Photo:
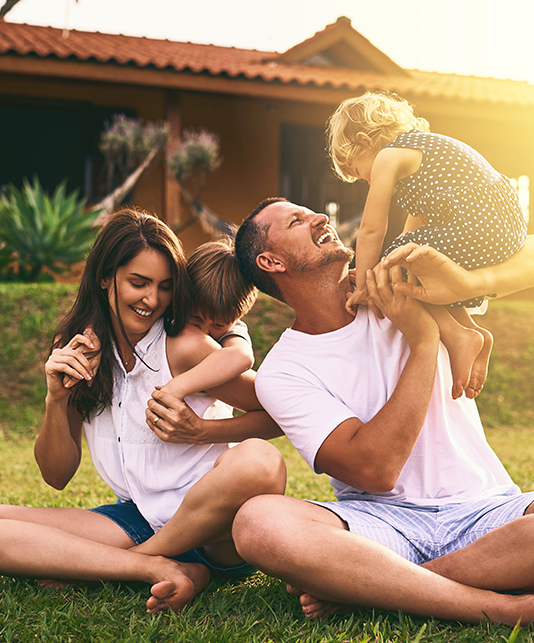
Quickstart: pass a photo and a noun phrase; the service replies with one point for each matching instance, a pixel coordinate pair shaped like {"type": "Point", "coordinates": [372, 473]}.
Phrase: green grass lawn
{"type": "Point", "coordinates": [257, 609]}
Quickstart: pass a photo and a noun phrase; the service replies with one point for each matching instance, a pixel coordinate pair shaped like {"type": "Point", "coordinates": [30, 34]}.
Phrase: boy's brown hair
{"type": "Point", "coordinates": [219, 289]}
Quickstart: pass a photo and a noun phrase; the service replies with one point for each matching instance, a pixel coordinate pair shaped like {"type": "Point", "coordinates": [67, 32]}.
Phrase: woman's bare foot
{"type": "Point", "coordinates": [463, 352]}
{"type": "Point", "coordinates": [55, 583]}
{"type": "Point", "coordinates": [312, 607]}
{"type": "Point", "coordinates": [479, 372]}
{"type": "Point", "coordinates": [177, 584]}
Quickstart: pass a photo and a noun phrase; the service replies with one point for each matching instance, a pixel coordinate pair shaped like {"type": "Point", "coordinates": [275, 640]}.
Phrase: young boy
{"type": "Point", "coordinates": [222, 296]}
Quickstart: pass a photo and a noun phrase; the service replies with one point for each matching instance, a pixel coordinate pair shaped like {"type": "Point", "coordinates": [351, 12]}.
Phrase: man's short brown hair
{"type": "Point", "coordinates": [251, 240]}
{"type": "Point", "coordinates": [220, 291]}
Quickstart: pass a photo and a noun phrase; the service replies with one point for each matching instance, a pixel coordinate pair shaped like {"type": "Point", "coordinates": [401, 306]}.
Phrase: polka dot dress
{"type": "Point", "coordinates": [472, 212]}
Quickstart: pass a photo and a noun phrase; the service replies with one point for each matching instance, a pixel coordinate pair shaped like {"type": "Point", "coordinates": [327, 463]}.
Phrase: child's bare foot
{"type": "Point", "coordinates": [479, 372]}
{"type": "Point", "coordinates": [178, 584]}
{"type": "Point", "coordinates": [312, 607]}
{"type": "Point", "coordinates": [463, 352]}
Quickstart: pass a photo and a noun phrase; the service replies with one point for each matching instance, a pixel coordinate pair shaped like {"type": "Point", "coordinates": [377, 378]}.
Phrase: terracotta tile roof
{"type": "Point", "coordinates": [270, 67]}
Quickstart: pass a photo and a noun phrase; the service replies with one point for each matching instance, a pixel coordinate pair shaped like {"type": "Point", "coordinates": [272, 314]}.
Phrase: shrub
{"type": "Point", "coordinates": [38, 232]}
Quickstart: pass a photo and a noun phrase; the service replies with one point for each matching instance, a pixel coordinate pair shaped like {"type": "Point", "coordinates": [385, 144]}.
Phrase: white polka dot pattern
{"type": "Point", "coordinates": [472, 211]}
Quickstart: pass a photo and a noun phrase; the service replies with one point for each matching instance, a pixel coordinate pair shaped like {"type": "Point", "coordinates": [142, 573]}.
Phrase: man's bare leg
{"type": "Point", "coordinates": [308, 547]}
{"type": "Point", "coordinates": [206, 514]}
{"type": "Point", "coordinates": [506, 565]}
{"type": "Point", "coordinates": [502, 560]}
{"type": "Point", "coordinates": [39, 551]}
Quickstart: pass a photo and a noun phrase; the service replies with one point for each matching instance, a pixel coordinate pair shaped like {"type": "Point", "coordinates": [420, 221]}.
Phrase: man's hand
{"type": "Point", "coordinates": [441, 281]}
{"type": "Point", "coordinates": [407, 314]}
{"type": "Point", "coordinates": [172, 420]}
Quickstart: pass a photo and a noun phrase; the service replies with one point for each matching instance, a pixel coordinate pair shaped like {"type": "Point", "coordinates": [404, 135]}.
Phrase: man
{"type": "Point", "coordinates": [427, 520]}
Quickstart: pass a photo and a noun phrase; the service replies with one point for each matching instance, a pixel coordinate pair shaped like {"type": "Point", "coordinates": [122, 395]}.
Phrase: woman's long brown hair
{"type": "Point", "coordinates": [128, 233]}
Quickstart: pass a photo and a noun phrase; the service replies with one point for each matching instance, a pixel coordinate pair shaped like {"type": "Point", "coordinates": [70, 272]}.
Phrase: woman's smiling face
{"type": "Point", "coordinates": [144, 290]}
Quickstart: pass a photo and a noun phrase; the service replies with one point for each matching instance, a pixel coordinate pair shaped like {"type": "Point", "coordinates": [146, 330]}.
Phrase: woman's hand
{"type": "Point", "coordinates": [93, 355]}
{"type": "Point", "coordinates": [172, 420]}
{"type": "Point", "coordinates": [77, 361]}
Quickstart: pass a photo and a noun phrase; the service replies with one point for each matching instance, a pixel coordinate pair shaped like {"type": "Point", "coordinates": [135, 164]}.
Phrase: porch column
{"type": "Point", "coordinates": [172, 205]}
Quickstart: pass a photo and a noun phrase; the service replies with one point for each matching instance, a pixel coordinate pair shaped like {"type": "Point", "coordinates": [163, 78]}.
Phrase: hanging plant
{"type": "Point", "coordinates": [126, 142]}
{"type": "Point", "coordinates": [197, 151]}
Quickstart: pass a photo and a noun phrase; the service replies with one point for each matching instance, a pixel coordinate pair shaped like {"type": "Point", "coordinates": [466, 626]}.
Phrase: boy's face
{"type": "Point", "coordinates": [211, 327]}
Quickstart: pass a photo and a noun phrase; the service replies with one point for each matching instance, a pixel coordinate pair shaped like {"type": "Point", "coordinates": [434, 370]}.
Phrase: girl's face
{"type": "Point", "coordinates": [144, 290]}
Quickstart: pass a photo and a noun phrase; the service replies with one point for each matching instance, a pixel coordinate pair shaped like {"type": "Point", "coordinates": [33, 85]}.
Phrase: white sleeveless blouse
{"type": "Point", "coordinates": [130, 458]}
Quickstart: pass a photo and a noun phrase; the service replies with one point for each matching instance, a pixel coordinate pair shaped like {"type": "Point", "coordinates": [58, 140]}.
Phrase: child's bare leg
{"type": "Point", "coordinates": [479, 372]}
{"type": "Point", "coordinates": [205, 517]}
{"type": "Point", "coordinates": [38, 550]}
{"type": "Point", "coordinates": [463, 344]}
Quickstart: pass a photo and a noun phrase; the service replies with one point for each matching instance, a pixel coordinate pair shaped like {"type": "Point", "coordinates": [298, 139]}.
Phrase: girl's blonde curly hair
{"type": "Point", "coordinates": [380, 115]}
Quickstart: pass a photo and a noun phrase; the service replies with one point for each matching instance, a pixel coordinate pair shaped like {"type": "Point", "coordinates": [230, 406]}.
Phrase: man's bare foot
{"type": "Point", "coordinates": [312, 607]}
{"type": "Point", "coordinates": [463, 351]}
{"type": "Point", "coordinates": [178, 584]}
{"type": "Point", "coordinates": [479, 372]}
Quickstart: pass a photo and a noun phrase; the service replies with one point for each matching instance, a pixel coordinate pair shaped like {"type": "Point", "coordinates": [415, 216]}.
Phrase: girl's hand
{"type": "Point", "coordinates": [355, 299]}
{"type": "Point", "coordinates": [68, 362]}
{"type": "Point", "coordinates": [361, 298]}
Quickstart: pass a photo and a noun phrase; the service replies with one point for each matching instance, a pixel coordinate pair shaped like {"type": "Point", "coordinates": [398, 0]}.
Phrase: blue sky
{"type": "Point", "coordinates": [480, 37]}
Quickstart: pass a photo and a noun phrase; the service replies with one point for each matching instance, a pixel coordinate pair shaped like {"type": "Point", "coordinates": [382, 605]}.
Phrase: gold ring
{"type": "Point", "coordinates": [156, 420]}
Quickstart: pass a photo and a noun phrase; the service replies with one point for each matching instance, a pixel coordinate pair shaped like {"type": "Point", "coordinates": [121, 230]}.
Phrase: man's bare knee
{"type": "Point", "coordinates": [254, 526]}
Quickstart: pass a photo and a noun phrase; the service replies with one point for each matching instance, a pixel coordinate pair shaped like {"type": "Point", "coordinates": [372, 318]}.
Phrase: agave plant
{"type": "Point", "coordinates": [38, 231]}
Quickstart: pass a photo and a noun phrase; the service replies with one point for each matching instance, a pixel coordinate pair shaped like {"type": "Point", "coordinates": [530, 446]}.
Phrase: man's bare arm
{"type": "Point", "coordinates": [370, 456]}
{"type": "Point", "coordinates": [444, 282]}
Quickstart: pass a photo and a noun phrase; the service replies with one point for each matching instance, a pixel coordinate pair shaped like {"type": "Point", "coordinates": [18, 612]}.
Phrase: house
{"type": "Point", "coordinates": [57, 89]}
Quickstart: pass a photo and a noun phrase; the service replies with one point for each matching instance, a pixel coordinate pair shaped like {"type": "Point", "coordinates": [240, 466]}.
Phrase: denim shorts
{"type": "Point", "coordinates": [420, 534]}
{"type": "Point", "coordinates": [129, 518]}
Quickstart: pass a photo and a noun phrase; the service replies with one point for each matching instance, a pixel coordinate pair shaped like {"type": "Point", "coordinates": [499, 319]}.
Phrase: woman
{"type": "Point", "coordinates": [134, 298]}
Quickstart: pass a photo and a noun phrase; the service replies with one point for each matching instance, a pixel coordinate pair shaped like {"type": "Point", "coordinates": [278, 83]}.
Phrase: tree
{"type": "Point", "coordinates": [8, 5]}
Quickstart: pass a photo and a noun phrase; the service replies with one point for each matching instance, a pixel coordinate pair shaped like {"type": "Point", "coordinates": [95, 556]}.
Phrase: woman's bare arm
{"type": "Point", "coordinates": [58, 447]}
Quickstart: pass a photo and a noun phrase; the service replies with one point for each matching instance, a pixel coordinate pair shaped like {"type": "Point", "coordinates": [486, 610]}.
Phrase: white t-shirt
{"type": "Point", "coordinates": [131, 459]}
{"type": "Point", "coordinates": [310, 384]}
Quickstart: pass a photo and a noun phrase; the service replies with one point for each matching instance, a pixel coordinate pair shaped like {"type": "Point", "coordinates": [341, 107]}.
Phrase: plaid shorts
{"type": "Point", "coordinates": [420, 534]}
